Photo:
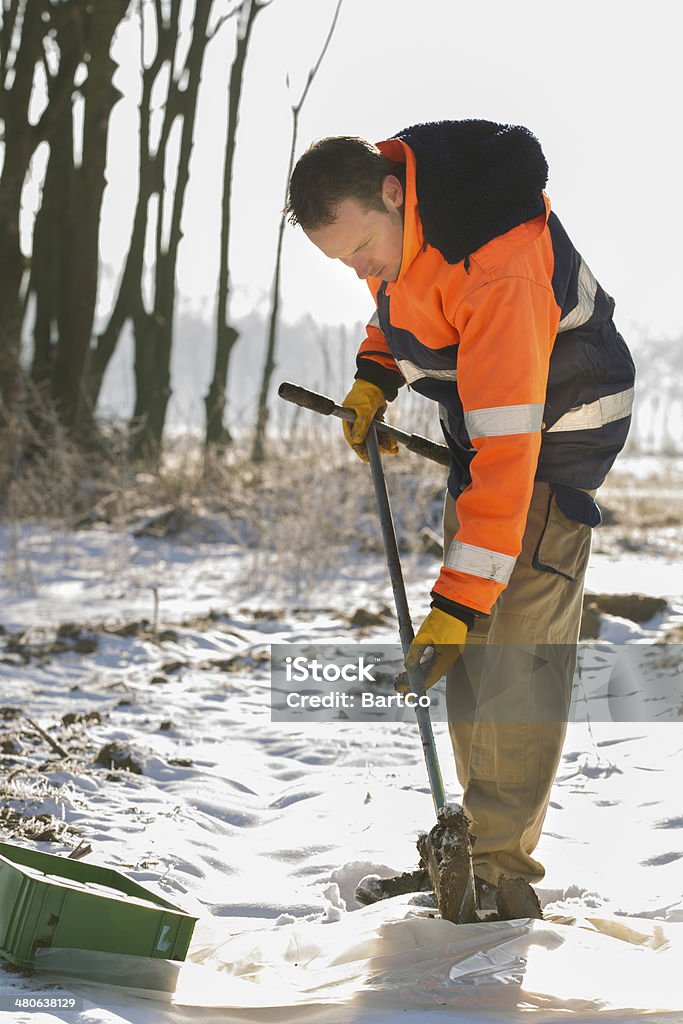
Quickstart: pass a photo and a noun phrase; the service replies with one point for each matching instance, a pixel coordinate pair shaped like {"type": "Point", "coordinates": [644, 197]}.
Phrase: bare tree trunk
{"type": "Point", "coordinates": [20, 141]}
{"type": "Point", "coordinates": [259, 447]}
{"type": "Point", "coordinates": [26, 24]}
{"type": "Point", "coordinates": [48, 264]}
{"type": "Point", "coordinates": [78, 311]}
{"type": "Point", "coordinates": [154, 334]}
{"type": "Point", "coordinates": [258, 452]}
{"type": "Point", "coordinates": [129, 301]}
{"type": "Point", "coordinates": [217, 433]}
{"type": "Point", "coordinates": [153, 327]}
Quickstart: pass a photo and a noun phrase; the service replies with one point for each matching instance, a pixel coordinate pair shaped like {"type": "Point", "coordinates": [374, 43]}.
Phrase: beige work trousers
{"type": "Point", "coordinates": [508, 697]}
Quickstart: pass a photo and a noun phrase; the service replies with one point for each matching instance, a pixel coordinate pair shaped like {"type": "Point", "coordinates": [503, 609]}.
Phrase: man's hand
{"type": "Point", "coordinates": [447, 635]}
{"type": "Point", "coordinates": [367, 401]}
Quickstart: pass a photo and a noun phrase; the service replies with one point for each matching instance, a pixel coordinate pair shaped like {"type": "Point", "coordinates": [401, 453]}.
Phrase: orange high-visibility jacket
{"type": "Point", "coordinates": [496, 317]}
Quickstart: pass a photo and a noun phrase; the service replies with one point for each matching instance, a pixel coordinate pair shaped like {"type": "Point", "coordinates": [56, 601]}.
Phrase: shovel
{"type": "Point", "coordinates": [446, 851]}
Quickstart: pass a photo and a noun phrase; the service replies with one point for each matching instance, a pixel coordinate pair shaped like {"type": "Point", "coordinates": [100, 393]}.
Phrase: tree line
{"type": "Point", "coordinates": [57, 89]}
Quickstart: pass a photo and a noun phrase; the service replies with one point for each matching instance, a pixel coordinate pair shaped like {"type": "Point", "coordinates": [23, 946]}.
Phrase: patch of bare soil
{"type": "Point", "coordinates": [636, 607]}
{"type": "Point", "coordinates": [118, 755]}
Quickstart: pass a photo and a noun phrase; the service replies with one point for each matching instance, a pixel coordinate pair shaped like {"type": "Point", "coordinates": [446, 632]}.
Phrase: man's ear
{"type": "Point", "coordinates": [392, 192]}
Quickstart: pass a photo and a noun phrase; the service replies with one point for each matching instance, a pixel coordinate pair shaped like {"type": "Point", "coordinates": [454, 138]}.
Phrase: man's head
{"type": "Point", "coordinates": [349, 201]}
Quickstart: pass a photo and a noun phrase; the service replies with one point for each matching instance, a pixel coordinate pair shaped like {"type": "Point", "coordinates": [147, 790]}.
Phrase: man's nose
{"type": "Point", "coordinates": [360, 266]}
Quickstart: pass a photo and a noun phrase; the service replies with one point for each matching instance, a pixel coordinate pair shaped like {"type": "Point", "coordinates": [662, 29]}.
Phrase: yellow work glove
{"type": "Point", "coordinates": [368, 402]}
{"type": "Point", "coordinates": [447, 635]}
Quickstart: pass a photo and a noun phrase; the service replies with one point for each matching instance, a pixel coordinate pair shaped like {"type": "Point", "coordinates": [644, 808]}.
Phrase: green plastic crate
{"type": "Point", "coordinates": [52, 901]}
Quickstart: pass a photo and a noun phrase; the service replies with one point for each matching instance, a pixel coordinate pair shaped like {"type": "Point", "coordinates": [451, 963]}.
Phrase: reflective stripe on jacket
{"type": "Point", "coordinates": [517, 345]}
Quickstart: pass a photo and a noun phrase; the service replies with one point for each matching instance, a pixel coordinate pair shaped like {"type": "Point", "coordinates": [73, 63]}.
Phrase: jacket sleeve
{"type": "Point", "coordinates": [506, 329]}
{"type": "Point", "coordinates": [375, 362]}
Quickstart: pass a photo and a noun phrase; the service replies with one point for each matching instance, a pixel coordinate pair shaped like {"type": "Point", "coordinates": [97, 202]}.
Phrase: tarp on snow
{"type": "Point", "coordinates": [393, 955]}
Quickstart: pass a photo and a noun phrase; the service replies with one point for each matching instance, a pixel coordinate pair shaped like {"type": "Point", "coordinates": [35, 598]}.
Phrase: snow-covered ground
{"type": "Point", "coordinates": [263, 829]}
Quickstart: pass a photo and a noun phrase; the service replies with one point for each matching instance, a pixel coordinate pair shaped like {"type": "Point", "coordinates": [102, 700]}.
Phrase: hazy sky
{"type": "Point", "coordinates": [598, 81]}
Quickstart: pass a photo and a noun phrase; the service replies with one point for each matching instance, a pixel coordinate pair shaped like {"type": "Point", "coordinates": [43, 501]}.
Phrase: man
{"type": "Point", "coordinates": [484, 306]}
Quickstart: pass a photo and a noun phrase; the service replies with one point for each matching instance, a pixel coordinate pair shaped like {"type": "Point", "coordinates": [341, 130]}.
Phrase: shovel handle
{"type": "Point", "coordinates": [405, 626]}
{"type": "Point", "coordinates": [438, 453]}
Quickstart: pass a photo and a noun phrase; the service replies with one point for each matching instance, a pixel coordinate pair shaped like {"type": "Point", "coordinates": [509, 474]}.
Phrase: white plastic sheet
{"type": "Point", "coordinates": [393, 955]}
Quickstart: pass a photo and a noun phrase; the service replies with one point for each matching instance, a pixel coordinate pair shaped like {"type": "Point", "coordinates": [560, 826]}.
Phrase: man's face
{"type": "Point", "coordinates": [368, 241]}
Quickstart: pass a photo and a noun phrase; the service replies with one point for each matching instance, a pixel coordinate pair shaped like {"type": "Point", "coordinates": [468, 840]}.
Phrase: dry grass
{"type": "Point", "coordinates": [298, 515]}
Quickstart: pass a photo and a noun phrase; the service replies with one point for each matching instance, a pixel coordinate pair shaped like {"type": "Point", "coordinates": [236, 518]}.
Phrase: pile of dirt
{"type": "Point", "coordinates": [364, 617]}
{"type": "Point", "coordinates": [636, 607]}
{"type": "Point", "coordinates": [119, 756]}
{"type": "Point", "coordinates": [40, 643]}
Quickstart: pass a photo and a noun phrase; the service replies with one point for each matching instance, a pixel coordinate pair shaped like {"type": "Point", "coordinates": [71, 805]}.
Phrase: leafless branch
{"type": "Point", "coordinates": [46, 736]}
{"type": "Point", "coordinates": [314, 70]}
{"type": "Point", "coordinates": [222, 20]}
{"type": "Point", "coordinates": [82, 850]}
{"type": "Point", "coordinates": [259, 448]}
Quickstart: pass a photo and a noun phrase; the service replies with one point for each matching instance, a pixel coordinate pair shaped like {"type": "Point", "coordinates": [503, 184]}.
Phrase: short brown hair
{"type": "Point", "coordinates": [331, 170]}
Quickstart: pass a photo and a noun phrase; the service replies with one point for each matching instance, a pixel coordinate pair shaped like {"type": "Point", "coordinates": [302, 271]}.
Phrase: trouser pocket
{"type": "Point", "coordinates": [564, 544]}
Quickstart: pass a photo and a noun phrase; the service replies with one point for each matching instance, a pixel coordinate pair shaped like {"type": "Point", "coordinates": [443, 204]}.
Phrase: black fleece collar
{"type": "Point", "coordinates": [475, 180]}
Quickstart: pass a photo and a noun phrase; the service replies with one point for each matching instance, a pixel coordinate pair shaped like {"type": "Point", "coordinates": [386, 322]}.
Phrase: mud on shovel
{"type": "Point", "coordinates": [445, 852]}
